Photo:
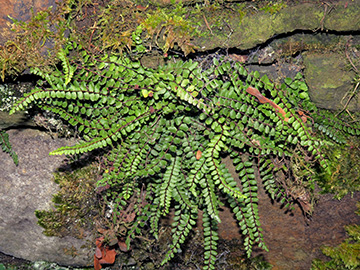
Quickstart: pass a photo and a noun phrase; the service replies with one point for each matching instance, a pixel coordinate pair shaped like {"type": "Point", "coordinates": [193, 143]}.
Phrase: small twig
{"type": "Point", "coordinates": [348, 57]}
{"type": "Point", "coordinates": [326, 12]}
{"type": "Point", "coordinates": [231, 32]}
{"type": "Point", "coordinates": [348, 101]}
{"type": "Point", "coordinates": [207, 24]}
{"type": "Point", "coordinates": [352, 94]}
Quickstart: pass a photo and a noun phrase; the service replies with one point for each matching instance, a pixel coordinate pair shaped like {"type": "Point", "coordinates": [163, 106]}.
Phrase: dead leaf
{"type": "Point", "coordinates": [103, 255]}
{"type": "Point", "coordinates": [98, 253]}
{"type": "Point", "coordinates": [198, 154]}
{"type": "Point", "coordinates": [97, 265]}
{"type": "Point", "coordinates": [130, 217]}
{"type": "Point", "coordinates": [108, 256]}
{"type": "Point", "coordinates": [239, 58]}
{"type": "Point", "coordinates": [123, 246]}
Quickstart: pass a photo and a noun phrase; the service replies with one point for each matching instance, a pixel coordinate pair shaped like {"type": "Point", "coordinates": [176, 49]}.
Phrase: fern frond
{"type": "Point", "coordinates": [68, 69]}
{"type": "Point", "coordinates": [184, 221]}
{"type": "Point", "coordinates": [210, 241]}
{"type": "Point", "coordinates": [171, 176]}
{"type": "Point", "coordinates": [6, 146]}
{"type": "Point", "coordinates": [210, 199]}
{"type": "Point", "coordinates": [167, 130]}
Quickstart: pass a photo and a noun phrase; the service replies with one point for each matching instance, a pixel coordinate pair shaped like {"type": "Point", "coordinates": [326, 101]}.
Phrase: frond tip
{"type": "Point", "coordinates": [68, 69]}
{"type": "Point", "coordinates": [6, 146]}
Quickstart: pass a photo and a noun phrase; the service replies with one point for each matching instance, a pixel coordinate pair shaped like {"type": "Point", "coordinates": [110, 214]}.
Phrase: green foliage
{"type": "Point", "coordinates": [114, 23]}
{"type": "Point", "coordinates": [6, 146]}
{"type": "Point", "coordinates": [337, 127]}
{"type": "Point", "coordinates": [167, 131]}
{"type": "Point", "coordinates": [273, 7]}
{"type": "Point", "coordinates": [4, 267]}
{"type": "Point", "coordinates": [344, 256]}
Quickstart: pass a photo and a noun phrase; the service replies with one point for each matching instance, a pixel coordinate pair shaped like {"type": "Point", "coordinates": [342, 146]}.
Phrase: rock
{"type": "Point", "coordinates": [293, 243]}
{"type": "Point", "coordinates": [26, 188]}
{"type": "Point", "coordinates": [329, 80]}
{"type": "Point", "coordinates": [234, 31]}
{"type": "Point", "coordinates": [292, 240]}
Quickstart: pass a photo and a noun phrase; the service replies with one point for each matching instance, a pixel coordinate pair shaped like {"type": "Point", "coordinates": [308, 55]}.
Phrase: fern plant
{"type": "Point", "coordinates": [6, 146]}
{"type": "Point", "coordinates": [168, 129]}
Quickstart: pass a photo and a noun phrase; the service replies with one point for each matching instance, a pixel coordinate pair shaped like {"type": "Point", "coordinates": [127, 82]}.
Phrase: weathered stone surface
{"type": "Point", "coordinates": [293, 243]}
{"type": "Point", "coordinates": [25, 188]}
{"type": "Point", "coordinates": [20, 10]}
{"type": "Point", "coordinates": [229, 29]}
{"type": "Point", "coordinates": [329, 80]}
{"type": "Point", "coordinates": [292, 240]}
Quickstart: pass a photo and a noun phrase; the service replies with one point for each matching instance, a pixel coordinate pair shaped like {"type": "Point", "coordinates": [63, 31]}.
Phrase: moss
{"type": "Point", "coordinates": [345, 176]}
{"type": "Point", "coordinates": [345, 17]}
{"type": "Point", "coordinates": [273, 7]}
{"type": "Point", "coordinates": [167, 27]}
{"type": "Point", "coordinates": [344, 256]}
{"type": "Point", "coordinates": [328, 79]}
{"type": "Point", "coordinates": [33, 42]}
{"type": "Point", "coordinates": [74, 204]}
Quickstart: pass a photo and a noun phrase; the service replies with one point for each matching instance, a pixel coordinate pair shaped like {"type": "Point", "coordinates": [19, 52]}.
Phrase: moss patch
{"type": "Point", "coordinates": [75, 204]}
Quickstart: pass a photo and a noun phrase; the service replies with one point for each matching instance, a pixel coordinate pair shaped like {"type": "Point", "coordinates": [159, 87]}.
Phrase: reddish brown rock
{"type": "Point", "coordinates": [294, 241]}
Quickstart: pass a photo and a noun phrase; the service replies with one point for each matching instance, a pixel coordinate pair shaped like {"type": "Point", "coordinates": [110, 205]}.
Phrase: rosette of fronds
{"type": "Point", "coordinates": [168, 129]}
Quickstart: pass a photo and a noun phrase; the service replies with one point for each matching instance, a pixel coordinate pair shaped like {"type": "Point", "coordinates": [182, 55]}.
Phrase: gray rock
{"type": "Point", "coordinates": [26, 188]}
{"type": "Point", "coordinates": [329, 79]}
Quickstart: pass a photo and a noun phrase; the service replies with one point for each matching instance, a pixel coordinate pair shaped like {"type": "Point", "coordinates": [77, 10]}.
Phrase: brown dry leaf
{"type": "Point", "coordinates": [98, 253]}
{"type": "Point", "coordinates": [239, 58]}
{"type": "Point", "coordinates": [198, 154]}
{"type": "Point", "coordinates": [97, 265]}
{"type": "Point", "coordinates": [123, 246]}
{"type": "Point", "coordinates": [130, 217]}
{"type": "Point", "coordinates": [108, 256]}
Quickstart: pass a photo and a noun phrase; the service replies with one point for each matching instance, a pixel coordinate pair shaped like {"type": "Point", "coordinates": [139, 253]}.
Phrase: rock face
{"type": "Point", "coordinates": [25, 188]}
{"type": "Point", "coordinates": [250, 31]}
{"type": "Point", "coordinates": [294, 242]}
{"type": "Point", "coordinates": [330, 80]}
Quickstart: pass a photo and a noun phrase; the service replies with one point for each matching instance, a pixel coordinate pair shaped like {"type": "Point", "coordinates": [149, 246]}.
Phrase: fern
{"type": "Point", "coordinates": [68, 70]}
{"type": "Point", "coordinates": [210, 241]}
{"type": "Point", "coordinates": [6, 146]}
{"type": "Point", "coordinates": [167, 130]}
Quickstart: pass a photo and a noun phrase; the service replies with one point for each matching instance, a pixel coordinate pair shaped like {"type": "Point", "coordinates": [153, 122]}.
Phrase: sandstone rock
{"type": "Point", "coordinates": [25, 188]}
{"type": "Point", "coordinates": [292, 240]}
